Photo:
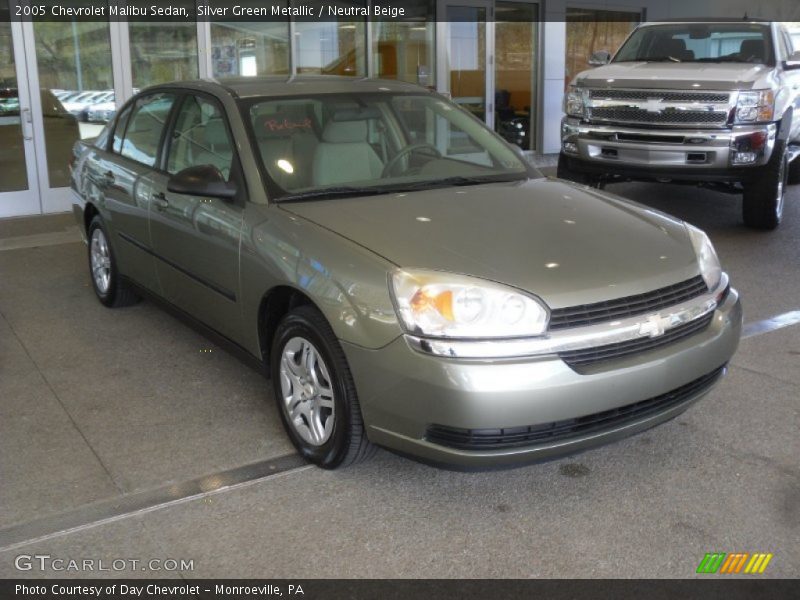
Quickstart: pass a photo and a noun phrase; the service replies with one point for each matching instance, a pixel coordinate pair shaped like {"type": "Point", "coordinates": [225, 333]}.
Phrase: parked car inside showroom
{"type": "Point", "coordinates": [714, 104]}
{"type": "Point", "coordinates": [401, 273]}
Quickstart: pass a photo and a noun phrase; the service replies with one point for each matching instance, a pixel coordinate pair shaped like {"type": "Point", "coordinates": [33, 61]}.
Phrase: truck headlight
{"type": "Point", "coordinates": [755, 107]}
{"type": "Point", "coordinates": [707, 259]}
{"type": "Point", "coordinates": [575, 102]}
{"type": "Point", "coordinates": [446, 305]}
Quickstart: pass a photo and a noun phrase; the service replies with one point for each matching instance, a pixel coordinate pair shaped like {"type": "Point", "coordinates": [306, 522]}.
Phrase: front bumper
{"type": "Point", "coordinates": [403, 393]}
{"type": "Point", "coordinates": [676, 154]}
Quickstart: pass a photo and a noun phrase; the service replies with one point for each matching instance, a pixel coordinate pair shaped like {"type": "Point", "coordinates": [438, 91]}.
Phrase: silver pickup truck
{"type": "Point", "coordinates": [709, 103]}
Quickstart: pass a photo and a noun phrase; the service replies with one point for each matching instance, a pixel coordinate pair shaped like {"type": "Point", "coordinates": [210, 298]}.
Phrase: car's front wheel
{"type": "Point", "coordinates": [315, 392]}
{"type": "Point", "coordinates": [108, 286]}
{"type": "Point", "coordinates": [764, 197]}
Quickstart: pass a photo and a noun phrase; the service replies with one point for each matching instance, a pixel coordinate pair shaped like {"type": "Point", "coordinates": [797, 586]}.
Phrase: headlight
{"type": "Point", "coordinates": [574, 102]}
{"type": "Point", "coordinates": [755, 107]}
{"type": "Point", "coordinates": [707, 259]}
{"type": "Point", "coordinates": [438, 304]}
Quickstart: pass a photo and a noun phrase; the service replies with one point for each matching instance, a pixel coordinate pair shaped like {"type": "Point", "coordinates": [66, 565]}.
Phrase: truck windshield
{"type": "Point", "coordinates": [699, 42]}
{"type": "Point", "coordinates": [330, 145]}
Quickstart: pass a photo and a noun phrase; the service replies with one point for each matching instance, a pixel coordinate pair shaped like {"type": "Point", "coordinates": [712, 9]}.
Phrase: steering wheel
{"type": "Point", "coordinates": [387, 169]}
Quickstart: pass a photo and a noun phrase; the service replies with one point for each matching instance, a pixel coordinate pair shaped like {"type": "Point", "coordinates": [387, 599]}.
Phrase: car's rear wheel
{"type": "Point", "coordinates": [108, 286]}
{"type": "Point", "coordinates": [315, 392]}
{"type": "Point", "coordinates": [764, 197]}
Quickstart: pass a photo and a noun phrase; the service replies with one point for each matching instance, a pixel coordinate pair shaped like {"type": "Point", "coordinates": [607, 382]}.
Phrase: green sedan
{"type": "Point", "coordinates": [403, 275]}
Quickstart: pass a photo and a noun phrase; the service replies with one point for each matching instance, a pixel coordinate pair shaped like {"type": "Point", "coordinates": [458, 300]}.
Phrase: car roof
{"type": "Point", "coordinates": [252, 87]}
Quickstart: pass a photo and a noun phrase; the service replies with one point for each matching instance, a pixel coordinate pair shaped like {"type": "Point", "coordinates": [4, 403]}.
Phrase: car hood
{"type": "Point", "coordinates": [670, 76]}
{"type": "Point", "coordinates": [565, 243]}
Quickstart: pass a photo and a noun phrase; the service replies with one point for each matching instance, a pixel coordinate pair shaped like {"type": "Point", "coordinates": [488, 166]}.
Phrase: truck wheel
{"type": "Point", "coordinates": [108, 286]}
{"type": "Point", "coordinates": [315, 392]}
{"type": "Point", "coordinates": [564, 171]}
{"type": "Point", "coordinates": [763, 200]}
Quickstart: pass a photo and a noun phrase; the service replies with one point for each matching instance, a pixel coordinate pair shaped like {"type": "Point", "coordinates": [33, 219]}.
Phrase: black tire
{"type": "Point", "coordinates": [347, 443]}
{"type": "Point", "coordinates": [764, 197]}
{"type": "Point", "coordinates": [117, 293]}
{"type": "Point", "coordinates": [794, 172]}
{"type": "Point", "coordinates": [566, 172]}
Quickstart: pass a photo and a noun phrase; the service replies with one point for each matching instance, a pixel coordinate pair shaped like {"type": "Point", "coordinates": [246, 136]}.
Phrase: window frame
{"type": "Point", "coordinates": [172, 122]}
{"type": "Point", "coordinates": [133, 105]}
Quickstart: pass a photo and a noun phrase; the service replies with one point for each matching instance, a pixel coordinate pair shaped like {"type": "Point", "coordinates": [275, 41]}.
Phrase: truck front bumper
{"type": "Point", "coordinates": [728, 155]}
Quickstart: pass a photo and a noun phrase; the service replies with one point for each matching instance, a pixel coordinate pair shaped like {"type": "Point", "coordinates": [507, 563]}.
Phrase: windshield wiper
{"type": "Point", "coordinates": [332, 192]}
{"type": "Point", "coordinates": [459, 181]}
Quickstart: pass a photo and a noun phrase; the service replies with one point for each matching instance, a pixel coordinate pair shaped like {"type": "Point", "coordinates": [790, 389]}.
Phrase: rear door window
{"type": "Point", "coordinates": [145, 127]}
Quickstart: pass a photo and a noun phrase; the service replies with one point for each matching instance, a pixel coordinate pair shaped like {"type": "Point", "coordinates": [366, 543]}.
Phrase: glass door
{"type": "Point", "coordinates": [19, 193]}
{"type": "Point", "coordinates": [464, 61]}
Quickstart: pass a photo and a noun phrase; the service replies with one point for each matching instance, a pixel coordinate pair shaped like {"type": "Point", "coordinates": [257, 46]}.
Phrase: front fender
{"type": "Point", "coordinates": [347, 283]}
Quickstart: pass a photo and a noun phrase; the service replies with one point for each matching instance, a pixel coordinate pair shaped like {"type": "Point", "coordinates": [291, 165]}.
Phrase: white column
{"type": "Point", "coordinates": [553, 65]}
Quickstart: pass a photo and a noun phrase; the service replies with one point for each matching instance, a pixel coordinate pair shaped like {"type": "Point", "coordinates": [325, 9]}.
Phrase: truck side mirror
{"type": "Point", "coordinates": [600, 58]}
{"type": "Point", "coordinates": [793, 62]}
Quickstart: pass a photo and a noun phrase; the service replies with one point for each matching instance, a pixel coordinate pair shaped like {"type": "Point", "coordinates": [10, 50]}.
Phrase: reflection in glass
{"type": "Point", "coordinates": [404, 51]}
{"type": "Point", "coordinates": [331, 47]}
{"type": "Point", "coordinates": [73, 58]}
{"type": "Point", "coordinates": [12, 150]}
{"type": "Point", "coordinates": [162, 52]}
{"type": "Point", "coordinates": [515, 71]}
{"type": "Point", "coordinates": [249, 49]}
{"type": "Point", "coordinates": [466, 51]}
{"type": "Point", "coordinates": [591, 30]}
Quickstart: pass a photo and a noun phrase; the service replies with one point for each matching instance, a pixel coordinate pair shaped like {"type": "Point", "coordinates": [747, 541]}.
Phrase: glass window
{"type": "Point", "coordinates": [74, 60]}
{"type": "Point", "coordinates": [249, 48]}
{"type": "Point", "coordinates": [200, 138]}
{"type": "Point", "coordinates": [162, 51]}
{"type": "Point", "coordinates": [12, 146]}
{"type": "Point", "coordinates": [404, 51]}
{"type": "Point", "coordinates": [515, 71]}
{"type": "Point", "coordinates": [590, 31]}
{"type": "Point", "coordinates": [373, 141]}
{"type": "Point", "coordinates": [331, 47]}
{"type": "Point", "coordinates": [146, 124]}
{"type": "Point", "coordinates": [119, 130]}
{"type": "Point", "coordinates": [700, 42]}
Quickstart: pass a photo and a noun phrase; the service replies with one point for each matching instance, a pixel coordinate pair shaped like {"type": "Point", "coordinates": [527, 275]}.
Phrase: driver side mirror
{"type": "Point", "coordinates": [202, 180]}
{"type": "Point", "coordinates": [600, 58]}
{"type": "Point", "coordinates": [793, 62]}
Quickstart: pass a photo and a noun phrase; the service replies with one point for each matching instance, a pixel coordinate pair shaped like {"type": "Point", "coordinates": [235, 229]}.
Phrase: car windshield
{"type": "Point", "coordinates": [332, 145]}
{"type": "Point", "coordinates": [699, 42]}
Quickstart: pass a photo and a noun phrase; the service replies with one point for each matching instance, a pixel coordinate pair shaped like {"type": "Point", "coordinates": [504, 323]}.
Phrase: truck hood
{"type": "Point", "coordinates": [565, 243]}
{"type": "Point", "coordinates": [671, 76]}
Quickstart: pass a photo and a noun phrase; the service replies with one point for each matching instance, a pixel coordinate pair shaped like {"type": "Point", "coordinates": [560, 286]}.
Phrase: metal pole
{"type": "Point", "coordinates": [76, 45]}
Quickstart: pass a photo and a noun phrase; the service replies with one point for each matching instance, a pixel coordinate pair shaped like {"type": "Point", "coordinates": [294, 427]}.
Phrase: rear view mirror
{"type": "Point", "coordinates": [202, 180]}
{"type": "Point", "coordinates": [600, 58]}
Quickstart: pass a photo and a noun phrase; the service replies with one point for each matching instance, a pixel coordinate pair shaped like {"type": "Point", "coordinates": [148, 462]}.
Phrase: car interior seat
{"type": "Point", "coordinates": [752, 50]}
{"type": "Point", "coordinates": [345, 155]}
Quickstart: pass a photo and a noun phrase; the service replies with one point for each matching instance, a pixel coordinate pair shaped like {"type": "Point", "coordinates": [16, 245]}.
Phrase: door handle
{"type": "Point", "coordinates": [160, 200]}
{"type": "Point", "coordinates": [27, 123]}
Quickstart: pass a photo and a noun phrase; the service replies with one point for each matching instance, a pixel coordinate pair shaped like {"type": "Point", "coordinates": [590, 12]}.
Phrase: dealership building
{"type": "Point", "coordinates": [507, 62]}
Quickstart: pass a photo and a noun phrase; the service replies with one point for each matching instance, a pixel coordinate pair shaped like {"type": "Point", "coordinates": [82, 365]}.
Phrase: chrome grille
{"type": "Point", "coordinates": [592, 356]}
{"type": "Point", "coordinates": [629, 114]}
{"type": "Point", "coordinates": [703, 97]}
{"type": "Point", "coordinates": [629, 306]}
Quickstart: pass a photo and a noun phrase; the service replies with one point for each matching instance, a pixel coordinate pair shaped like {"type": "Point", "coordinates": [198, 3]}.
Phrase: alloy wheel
{"type": "Point", "coordinates": [307, 391]}
{"type": "Point", "coordinates": [100, 261]}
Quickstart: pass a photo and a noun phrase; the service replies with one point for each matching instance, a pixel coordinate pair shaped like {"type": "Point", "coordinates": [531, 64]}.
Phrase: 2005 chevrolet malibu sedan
{"type": "Point", "coordinates": [405, 277]}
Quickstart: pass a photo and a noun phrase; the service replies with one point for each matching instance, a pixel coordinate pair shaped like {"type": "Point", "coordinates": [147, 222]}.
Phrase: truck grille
{"type": "Point", "coordinates": [592, 356]}
{"type": "Point", "coordinates": [702, 97]}
{"type": "Point", "coordinates": [660, 108]}
{"type": "Point", "coordinates": [510, 437]}
{"type": "Point", "coordinates": [620, 308]}
{"type": "Point", "coordinates": [629, 114]}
